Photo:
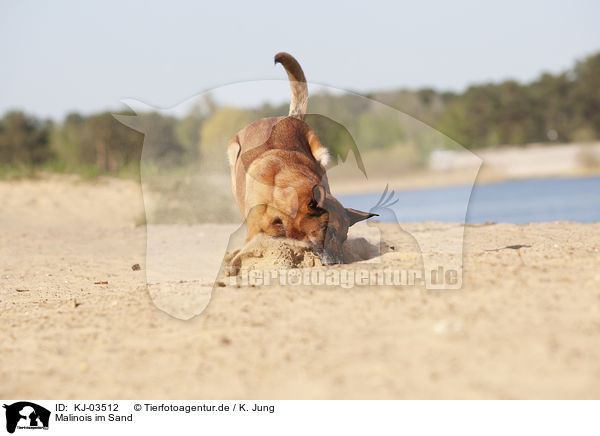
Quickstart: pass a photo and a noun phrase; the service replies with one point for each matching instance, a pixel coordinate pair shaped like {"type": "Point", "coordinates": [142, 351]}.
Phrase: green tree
{"type": "Point", "coordinates": [24, 139]}
{"type": "Point", "coordinates": [113, 145]}
{"type": "Point", "coordinates": [68, 143]}
{"type": "Point", "coordinates": [586, 93]}
{"type": "Point", "coordinates": [219, 128]}
{"type": "Point", "coordinates": [160, 139]}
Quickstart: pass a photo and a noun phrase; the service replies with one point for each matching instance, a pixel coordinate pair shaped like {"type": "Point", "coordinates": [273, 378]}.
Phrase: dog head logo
{"type": "Point", "coordinates": [26, 415]}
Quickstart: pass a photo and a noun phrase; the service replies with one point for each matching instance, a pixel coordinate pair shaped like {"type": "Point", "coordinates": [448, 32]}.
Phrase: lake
{"type": "Point", "coordinates": [518, 202]}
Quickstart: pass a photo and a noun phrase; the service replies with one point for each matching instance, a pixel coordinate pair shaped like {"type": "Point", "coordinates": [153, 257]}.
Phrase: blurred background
{"type": "Point", "coordinates": [517, 84]}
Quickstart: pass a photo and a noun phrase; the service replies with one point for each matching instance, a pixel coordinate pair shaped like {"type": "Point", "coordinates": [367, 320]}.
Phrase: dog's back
{"type": "Point", "coordinates": [270, 147]}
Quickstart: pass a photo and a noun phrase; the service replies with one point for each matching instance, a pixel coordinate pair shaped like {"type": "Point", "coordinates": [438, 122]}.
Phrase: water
{"type": "Point", "coordinates": [518, 202]}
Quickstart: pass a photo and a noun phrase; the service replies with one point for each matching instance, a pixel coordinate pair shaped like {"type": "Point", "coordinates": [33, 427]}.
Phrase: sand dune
{"type": "Point", "coordinates": [526, 323]}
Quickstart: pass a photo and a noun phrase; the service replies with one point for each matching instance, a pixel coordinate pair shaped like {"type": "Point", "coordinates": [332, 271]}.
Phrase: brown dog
{"type": "Point", "coordinates": [278, 177]}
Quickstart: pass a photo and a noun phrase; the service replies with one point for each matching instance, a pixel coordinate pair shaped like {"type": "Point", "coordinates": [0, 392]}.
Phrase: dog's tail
{"type": "Point", "coordinates": [299, 100]}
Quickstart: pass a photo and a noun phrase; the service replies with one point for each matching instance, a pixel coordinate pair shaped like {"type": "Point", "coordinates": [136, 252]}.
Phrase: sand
{"type": "Point", "coordinates": [525, 324]}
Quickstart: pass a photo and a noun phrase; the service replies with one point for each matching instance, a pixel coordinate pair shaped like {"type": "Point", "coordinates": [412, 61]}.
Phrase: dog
{"type": "Point", "coordinates": [278, 177]}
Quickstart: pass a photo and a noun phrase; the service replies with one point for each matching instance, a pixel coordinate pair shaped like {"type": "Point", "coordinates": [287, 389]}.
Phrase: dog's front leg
{"type": "Point", "coordinates": [255, 221]}
{"type": "Point", "coordinates": [265, 219]}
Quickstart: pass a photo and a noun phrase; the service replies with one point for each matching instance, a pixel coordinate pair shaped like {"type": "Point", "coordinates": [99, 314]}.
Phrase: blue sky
{"type": "Point", "coordinates": [64, 56]}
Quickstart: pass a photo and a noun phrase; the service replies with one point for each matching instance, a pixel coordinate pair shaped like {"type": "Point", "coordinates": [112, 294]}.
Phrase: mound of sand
{"type": "Point", "coordinates": [265, 253]}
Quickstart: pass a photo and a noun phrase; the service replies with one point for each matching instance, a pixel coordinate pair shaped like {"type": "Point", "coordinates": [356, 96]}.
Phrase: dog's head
{"type": "Point", "coordinates": [323, 222]}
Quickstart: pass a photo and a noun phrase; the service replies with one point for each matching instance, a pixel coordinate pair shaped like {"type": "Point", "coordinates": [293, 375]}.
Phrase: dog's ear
{"type": "Point", "coordinates": [355, 216]}
{"type": "Point", "coordinates": [318, 197]}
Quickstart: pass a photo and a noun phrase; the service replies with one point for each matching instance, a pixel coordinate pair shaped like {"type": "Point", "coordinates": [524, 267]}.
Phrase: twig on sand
{"type": "Point", "coordinates": [512, 247]}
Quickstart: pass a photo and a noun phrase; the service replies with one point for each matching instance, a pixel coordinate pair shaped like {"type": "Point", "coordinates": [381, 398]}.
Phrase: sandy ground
{"type": "Point", "coordinates": [526, 323]}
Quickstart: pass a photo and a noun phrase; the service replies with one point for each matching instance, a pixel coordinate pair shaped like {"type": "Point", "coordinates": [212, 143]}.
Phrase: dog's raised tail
{"type": "Point", "coordinates": [299, 100]}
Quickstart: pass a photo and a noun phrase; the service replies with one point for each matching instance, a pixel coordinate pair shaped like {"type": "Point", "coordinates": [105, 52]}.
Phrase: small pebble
{"type": "Point", "coordinates": [136, 267]}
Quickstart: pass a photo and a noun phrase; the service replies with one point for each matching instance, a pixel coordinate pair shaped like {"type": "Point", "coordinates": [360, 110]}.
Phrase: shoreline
{"type": "Point", "coordinates": [498, 165]}
{"type": "Point", "coordinates": [429, 180]}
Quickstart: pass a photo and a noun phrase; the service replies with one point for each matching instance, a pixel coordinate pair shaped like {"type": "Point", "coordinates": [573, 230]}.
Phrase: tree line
{"type": "Point", "coordinates": [561, 107]}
